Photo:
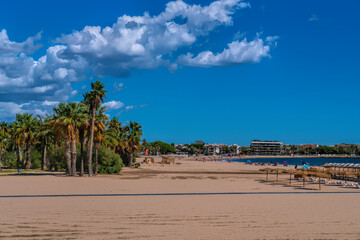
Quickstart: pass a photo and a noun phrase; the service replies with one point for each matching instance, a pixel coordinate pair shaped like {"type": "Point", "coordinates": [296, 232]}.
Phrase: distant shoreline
{"type": "Point", "coordinates": [295, 156]}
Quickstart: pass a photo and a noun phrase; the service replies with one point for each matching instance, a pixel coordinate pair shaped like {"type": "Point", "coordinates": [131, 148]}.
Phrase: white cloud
{"type": "Point", "coordinates": [49, 103]}
{"type": "Point", "coordinates": [8, 110]}
{"type": "Point", "coordinates": [118, 87]}
{"type": "Point", "coordinates": [239, 35]}
{"type": "Point", "coordinates": [271, 38]}
{"type": "Point", "coordinates": [313, 18]}
{"type": "Point", "coordinates": [131, 43]}
{"type": "Point", "coordinates": [23, 78]}
{"type": "Point", "coordinates": [113, 105]}
{"type": "Point", "coordinates": [143, 42]}
{"type": "Point", "coordinates": [9, 47]}
{"type": "Point", "coordinates": [238, 52]}
{"type": "Point", "coordinates": [128, 108]}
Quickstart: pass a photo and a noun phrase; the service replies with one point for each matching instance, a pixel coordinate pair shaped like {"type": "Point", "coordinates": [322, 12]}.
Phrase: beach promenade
{"type": "Point", "coordinates": [191, 200]}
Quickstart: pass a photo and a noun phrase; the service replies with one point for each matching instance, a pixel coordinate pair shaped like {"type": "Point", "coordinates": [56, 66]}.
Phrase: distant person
{"type": "Point", "coordinates": [295, 166]}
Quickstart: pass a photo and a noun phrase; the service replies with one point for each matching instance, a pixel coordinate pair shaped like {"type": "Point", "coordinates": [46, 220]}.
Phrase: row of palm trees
{"type": "Point", "coordinates": [72, 124]}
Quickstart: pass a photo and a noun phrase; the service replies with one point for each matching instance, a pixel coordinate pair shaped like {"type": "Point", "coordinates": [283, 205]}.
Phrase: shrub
{"type": "Point", "coordinates": [9, 160]}
{"type": "Point", "coordinates": [109, 162]}
{"type": "Point", "coordinates": [57, 160]}
{"type": "Point", "coordinates": [35, 158]}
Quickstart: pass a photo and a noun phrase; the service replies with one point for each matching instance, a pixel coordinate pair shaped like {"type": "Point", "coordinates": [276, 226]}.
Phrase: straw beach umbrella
{"type": "Point", "coordinates": [272, 170]}
{"type": "Point", "coordinates": [278, 170]}
{"type": "Point", "coordinates": [320, 175]}
{"type": "Point", "coordinates": [291, 172]}
{"type": "Point", "coordinates": [267, 170]}
{"type": "Point", "coordinates": [301, 173]}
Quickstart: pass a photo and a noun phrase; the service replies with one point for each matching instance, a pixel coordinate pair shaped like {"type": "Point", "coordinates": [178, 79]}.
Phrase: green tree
{"type": "Point", "coordinates": [133, 140]}
{"type": "Point", "coordinates": [99, 134]}
{"type": "Point", "coordinates": [4, 134]}
{"type": "Point", "coordinates": [93, 99]}
{"type": "Point", "coordinates": [70, 117]}
{"type": "Point", "coordinates": [23, 132]}
{"type": "Point", "coordinates": [45, 134]}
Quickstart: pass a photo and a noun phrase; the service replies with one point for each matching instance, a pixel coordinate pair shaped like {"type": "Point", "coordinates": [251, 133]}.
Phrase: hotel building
{"type": "Point", "coordinates": [258, 147]}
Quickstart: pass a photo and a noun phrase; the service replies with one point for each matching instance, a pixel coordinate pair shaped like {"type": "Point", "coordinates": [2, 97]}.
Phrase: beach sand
{"type": "Point", "coordinates": [250, 209]}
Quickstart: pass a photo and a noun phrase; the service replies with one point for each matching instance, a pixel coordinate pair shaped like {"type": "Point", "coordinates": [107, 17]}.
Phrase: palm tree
{"type": "Point", "coordinates": [31, 125]}
{"type": "Point", "coordinates": [61, 131]}
{"type": "Point", "coordinates": [70, 116]}
{"type": "Point", "coordinates": [93, 99]}
{"type": "Point", "coordinates": [45, 135]}
{"type": "Point", "coordinates": [116, 136]}
{"type": "Point", "coordinates": [112, 136]}
{"type": "Point", "coordinates": [82, 129]}
{"type": "Point", "coordinates": [133, 139]}
{"type": "Point", "coordinates": [99, 131]}
{"type": "Point", "coordinates": [24, 133]}
{"type": "Point", "coordinates": [4, 134]}
{"type": "Point", "coordinates": [17, 134]}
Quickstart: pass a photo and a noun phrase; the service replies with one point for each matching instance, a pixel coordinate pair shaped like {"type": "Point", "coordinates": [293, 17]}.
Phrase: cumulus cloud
{"type": "Point", "coordinates": [113, 105]}
{"type": "Point", "coordinates": [8, 110]}
{"type": "Point", "coordinates": [144, 42]}
{"type": "Point", "coordinates": [131, 43]}
{"type": "Point", "coordinates": [23, 78]}
{"type": "Point", "coordinates": [238, 52]}
{"type": "Point", "coordinates": [10, 47]}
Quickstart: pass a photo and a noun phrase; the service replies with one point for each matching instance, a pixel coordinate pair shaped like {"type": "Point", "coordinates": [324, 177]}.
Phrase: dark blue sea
{"type": "Point", "coordinates": [299, 161]}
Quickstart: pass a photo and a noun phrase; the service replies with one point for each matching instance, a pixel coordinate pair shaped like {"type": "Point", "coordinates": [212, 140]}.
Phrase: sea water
{"type": "Point", "coordinates": [299, 161]}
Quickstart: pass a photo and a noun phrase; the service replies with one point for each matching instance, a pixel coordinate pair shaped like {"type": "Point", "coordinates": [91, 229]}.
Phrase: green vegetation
{"type": "Point", "coordinates": [73, 133]}
{"type": "Point", "coordinates": [340, 149]}
{"type": "Point", "coordinates": [161, 147]}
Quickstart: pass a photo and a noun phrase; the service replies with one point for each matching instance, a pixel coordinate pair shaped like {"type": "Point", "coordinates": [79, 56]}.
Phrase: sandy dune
{"type": "Point", "coordinates": [260, 210]}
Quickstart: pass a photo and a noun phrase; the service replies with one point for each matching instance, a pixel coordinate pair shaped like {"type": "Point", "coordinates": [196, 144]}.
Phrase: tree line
{"type": "Point", "coordinates": [74, 132]}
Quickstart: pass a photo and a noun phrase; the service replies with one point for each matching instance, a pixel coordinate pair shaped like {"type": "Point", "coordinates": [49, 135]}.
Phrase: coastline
{"type": "Point", "coordinates": [296, 156]}
{"type": "Point", "coordinates": [216, 158]}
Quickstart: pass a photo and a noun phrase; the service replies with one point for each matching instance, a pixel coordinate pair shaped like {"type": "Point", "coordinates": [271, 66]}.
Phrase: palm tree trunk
{"type": "Point", "coordinates": [91, 141]}
{"type": "Point", "coordinates": [0, 158]}
{"type": "Point", "coordinates": [68, 155]}
{"type": "Point", "coordinates": [82, 158]}
{"type": "Point", "coordinates": [19, 157]}
{"type": "Point", "coordinates": [28, 159]}
{"type": "Point", "coordinates": [130, 160]}
{"type": "Point", "coordinates": [73, 156]}
{"type": "Point", "coordinates": [96, 161]}
{"type": "Point", "coordinates": [43, 158]}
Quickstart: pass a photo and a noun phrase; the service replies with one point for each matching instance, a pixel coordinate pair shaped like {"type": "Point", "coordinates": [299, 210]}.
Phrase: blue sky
{"type": "Point", "coordinates": [295, 78]}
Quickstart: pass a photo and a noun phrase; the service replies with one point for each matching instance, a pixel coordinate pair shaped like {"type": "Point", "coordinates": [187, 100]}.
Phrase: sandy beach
{"type": "Point", "coordinates": [191, 200]}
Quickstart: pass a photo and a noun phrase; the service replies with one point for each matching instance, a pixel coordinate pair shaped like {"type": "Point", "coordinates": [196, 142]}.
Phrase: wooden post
{"type": "Point", "coordinates": [267, 175]}
{"type": "Point", "coordinates": [290, 179]}
{"type": "Point", "coordinates": [303, 182]}
{"type": "Point", "coordinates": [319, 184]}
{"type": "Point", "coordinates": [277, 175]}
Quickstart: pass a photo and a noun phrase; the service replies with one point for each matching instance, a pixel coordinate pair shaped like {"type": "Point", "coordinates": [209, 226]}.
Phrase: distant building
{"type": "Point", "coordinates": [212, 149]}
{"type": "Point", "coordinates": [259, 147]}
{"type": "Point", "coordinates": [235, 149]}
{"type": "Point", "coordinates": [309, 145]}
